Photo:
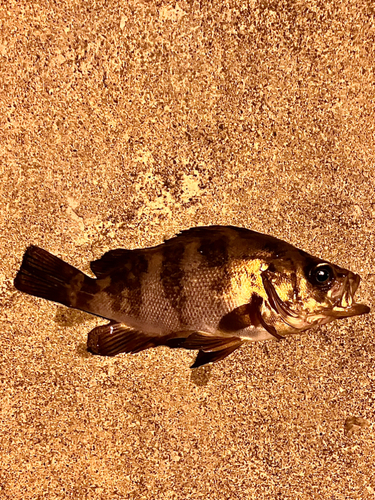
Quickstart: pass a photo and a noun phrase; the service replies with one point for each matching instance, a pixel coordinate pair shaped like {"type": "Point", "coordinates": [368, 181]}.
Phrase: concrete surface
{"type": "Point", "coordinates": [123, 122]}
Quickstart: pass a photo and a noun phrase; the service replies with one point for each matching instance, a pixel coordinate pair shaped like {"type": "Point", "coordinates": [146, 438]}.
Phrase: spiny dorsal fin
{"type": "Point", "coordinates": [214, 230]}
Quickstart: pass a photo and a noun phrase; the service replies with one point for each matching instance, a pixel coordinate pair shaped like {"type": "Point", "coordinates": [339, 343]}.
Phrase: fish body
{"type": "Point", "coordinates": [209, 288]}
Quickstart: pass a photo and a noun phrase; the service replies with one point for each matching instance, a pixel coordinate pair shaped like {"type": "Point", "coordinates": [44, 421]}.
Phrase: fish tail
{"type": "Point", "coordinates": [44, 275]}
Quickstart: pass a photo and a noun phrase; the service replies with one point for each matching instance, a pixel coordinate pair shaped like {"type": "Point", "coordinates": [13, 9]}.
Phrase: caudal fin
{"type": "Point", "coordinates": [44, 275]}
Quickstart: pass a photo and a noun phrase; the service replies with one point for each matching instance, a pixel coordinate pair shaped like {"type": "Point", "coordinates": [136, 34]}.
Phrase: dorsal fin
{"type": "Point", "coordinates": [206, 231]}
{"type": "Point", "coordinates": [110, 261]}
{"type": "Point", "coordinates": [217, 231]}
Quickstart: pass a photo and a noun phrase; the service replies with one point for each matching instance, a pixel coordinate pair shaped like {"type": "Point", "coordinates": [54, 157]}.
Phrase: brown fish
{"type": "Point", "coordinates": [209, 288]}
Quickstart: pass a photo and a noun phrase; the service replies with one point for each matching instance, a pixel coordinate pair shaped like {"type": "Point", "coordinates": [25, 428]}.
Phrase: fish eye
{"type": "Point", "coordinates": [322, 275]}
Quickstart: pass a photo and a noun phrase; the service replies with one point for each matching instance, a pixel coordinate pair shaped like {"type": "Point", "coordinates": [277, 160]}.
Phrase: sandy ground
{"type": "Point", "coordinates": [125, 122]}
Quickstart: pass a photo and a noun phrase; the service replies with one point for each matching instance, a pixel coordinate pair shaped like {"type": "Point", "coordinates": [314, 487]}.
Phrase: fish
{"type": "Point", "coordinates": [210, 289]}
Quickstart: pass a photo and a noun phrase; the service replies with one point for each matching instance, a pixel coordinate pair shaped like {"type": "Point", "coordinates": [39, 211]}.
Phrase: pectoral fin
{"type": "Point", "coordinates": [247, 315]}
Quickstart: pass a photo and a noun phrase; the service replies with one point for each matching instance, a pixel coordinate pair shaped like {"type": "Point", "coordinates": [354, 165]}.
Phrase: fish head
{"type": "Point", "coordinates": [303, 291]}
{"type": "Point", "coordinates": [333, 288]}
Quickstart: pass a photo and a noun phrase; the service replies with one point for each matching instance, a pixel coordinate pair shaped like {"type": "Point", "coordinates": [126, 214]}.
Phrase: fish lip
{"type": "Point", "coordinates": [347, 312]}
{"type": "Point", "coordinates": [344, 305]}
{"type": "Point", "coordinates": [345, 300]}
{"type": "Point", "coordinates": [328, 315]}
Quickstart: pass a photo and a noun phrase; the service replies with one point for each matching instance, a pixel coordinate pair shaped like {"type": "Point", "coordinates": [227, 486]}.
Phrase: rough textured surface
{"type": "Point", "coordinates": [124, 122]}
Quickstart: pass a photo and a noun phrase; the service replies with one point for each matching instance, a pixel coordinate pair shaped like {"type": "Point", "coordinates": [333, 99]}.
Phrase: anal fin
{"type": "Point", "coordinates": [114, 338]}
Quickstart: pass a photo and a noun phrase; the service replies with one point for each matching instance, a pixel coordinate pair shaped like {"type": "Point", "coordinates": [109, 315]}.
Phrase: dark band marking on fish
{"type": "Point", "coordinates": [129, 277]}
{"type": "Point", "coordinates": [138, 269]}
{"type": "Point", "coordinates": [215, 251]}
{"type": "Point", "coordinates": [172, 276]}
{"type": "Point", "coordinates": [247, 257]}
{"type": "Point", "coordinates": [110, 261]}
{"type": "Point", "coordinates": [85, 294]}
{"type": "Point", "coordinates": [221, 284]}
{"type": "Point", "coordinates": [90, 286]}
{"type": "Point", "coordinates": [273, 248]}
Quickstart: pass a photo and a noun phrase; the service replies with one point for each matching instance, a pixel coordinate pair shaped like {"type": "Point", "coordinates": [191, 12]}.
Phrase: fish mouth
{"type": "Point", "coordinates": [341, 301]}
{"type": "Point", "coordinates": [344, 305]}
